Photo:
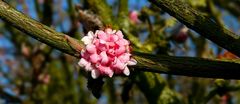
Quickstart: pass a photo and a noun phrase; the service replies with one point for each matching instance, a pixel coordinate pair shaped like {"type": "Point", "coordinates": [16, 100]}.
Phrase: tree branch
{"type": "Point", "coordinates": [187, 66]}
{"type": "Point", "coordinates": [202, 24]}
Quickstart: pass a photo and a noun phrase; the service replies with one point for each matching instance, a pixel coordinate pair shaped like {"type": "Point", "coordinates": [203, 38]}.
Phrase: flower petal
{"type": "Point", "coordinates": [96, 32]}
{"type": "Point", "coordinates": [118, 64]}
{"type": "Point", "coordinates": [119, 34]}
{"type": "Point", "coordinates": [108, 30]}
{"type": "Point", "coordinates": [120, 50]}
{"type": "Point", "coordinates": [105, 70]}
{"type": "Point", "coordinates": [108, 72]}
{"type": "Point", "coordinates": [94, 58]}
{"type": "Point", "coordinates": [85, 54]}
{"type": "Point", "coordinates": [83, 62]}
{"type": "Point", "coordinates": [89, 67]}
{"type": "Point", "coordinates": [104, 57]}
{"type": "Point", "coordinates": [102, 41]}
{"type": "Point", "coordinates": [126, 71]}
{"type": "Point", "coordinates": [125, 42]}
{"type": "Point", "coordinates": [90, 34]}
{"type": "Point", "coordinates": [113, 38]}
{"type": "Point", "coordinates": [102, 35]}
{"type": "Point", "coordinates": [86, 40]}
{"type": "Point", "coordinates": [132, 62]}
{"type": "Point", "coordinates": [102, 47]}
{"type": "Point", "coordinates": [95, 74]}
{"type": "Point", "coordinates": [111, 52]}
{"type": "Point", "coordinates": [91, 48]}
{"type": "Point", "coordinates": [125, 57]}
{"type": "Point", "coordinates": [111, 44]}
{"type": "Point", "coordinates": [114, 31]}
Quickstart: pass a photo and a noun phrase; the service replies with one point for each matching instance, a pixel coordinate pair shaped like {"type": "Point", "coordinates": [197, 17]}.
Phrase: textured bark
{"type": "Point", "coordinates": [187, 66]}
{"type": "Point", "coordinates": [202, 24]}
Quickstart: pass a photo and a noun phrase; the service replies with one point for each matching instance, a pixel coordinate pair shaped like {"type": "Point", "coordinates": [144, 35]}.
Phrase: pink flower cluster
{"type": "Point", "coordinates": [106, 53]}
{"type": "Point", "coordinates": [133, 16]}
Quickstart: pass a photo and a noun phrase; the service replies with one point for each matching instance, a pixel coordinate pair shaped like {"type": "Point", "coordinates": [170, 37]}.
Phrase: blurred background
{"type": "Point", "coordinates": [34, 73]}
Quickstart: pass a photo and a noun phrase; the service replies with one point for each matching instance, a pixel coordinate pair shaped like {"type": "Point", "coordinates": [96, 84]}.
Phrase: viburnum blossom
{"type": "Point", "coordinates": [106, 53]}
{"type": "Point", "coordinates": [133, 16]}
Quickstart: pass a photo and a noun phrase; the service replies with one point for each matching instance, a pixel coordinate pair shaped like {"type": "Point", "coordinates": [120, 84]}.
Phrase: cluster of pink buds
{"type": "Point", "coordinates": [133, 16]}
{"type": "Point", "coordinates": [106, 53]}
{"type": "Point", "coordinates": [44, 78]}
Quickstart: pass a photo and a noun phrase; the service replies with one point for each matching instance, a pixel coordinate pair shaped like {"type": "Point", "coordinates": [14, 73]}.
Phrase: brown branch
{"type": "Point", "coordinates": [187, 66]}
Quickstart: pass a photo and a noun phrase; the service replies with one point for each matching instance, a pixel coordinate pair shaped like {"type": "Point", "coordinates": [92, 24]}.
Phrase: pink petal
{"type": "Point", "coordinates": [108, 30]}
{"type": "Point", "coordinates": [132, 62]}
{"type": "Point", "coordinates": [89, 67]}
{"type": "Point", "coordinates": [109, 72]}
{"type": "Point", "coordinates": [134, 16]}
{"type": "Point", "coordinates": [102, 47]}
{"type": "Point", "coordinates": [119, 34]}
{"type": "Point", "coordinates": [102, 35]}
{"type": "Point", "coordinates": [94, 58]}
{"type": "Point", "coordinates": [124, 57]}
{"type": "Point", "coordinates": [104, 57]}
{"type": "Point", "coordinates": [106, 70]}
{"type": "Point", "coordinates": [90, 34]}
{"type": "Point", "coordinates": [91, 48]}
{"type": "Point", "coordinates": [125, 42]}
{"type": "Point", "coordinates": [111, 58]}
{"type": "Point", "coordinates": [87, 40]}
{"type": "Point", "coordinates": [126, 71]}
{"type": "Point", "coordinates": [122, 42]}
{"type": "Point", "coordinates": [96, 42]}
{"type": "Point", "coordinates": [113, 38]}
{"type": "Point", "coordinates": [111, 44]}
{"type": "Point", "coordinates": [83, 62]}
{"type": "Point", "coordinates": [96, 32]}
{"type": "Point", "coordinates": [85, 54]}
{"type": "Point", "coordinates": [118, 64]}
{"type": "Point", "coordinates": [114, 31]}
{"type": "Point", "coordinates": [102, 41]}
{"type": "Point", "coordinates": [46, 79]}
{"type": "Point", "coordinates": [95, 74]}
{"type": "Point", "coordinates": [120, 50]}
{"type": "Point", "coordinates": [111, 52]}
